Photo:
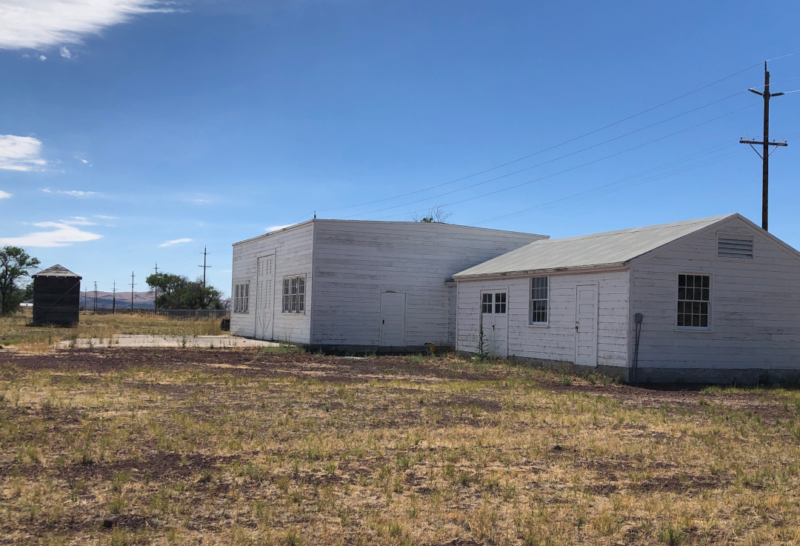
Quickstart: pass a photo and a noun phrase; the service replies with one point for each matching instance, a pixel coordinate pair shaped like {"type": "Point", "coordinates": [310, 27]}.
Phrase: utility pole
{"type": "Point", "coordinates": [95, 296]}
{"type": "Point", "coordinates": [132, 285]}
{"type": "Point", "coordinates": [204, 266]}
{"type": "Point", "coordinates": [765, 151]}
{"type": "Point", "coordinates": [114, 299]}
{"type": "Point", "coordinates": [155, 291]}
{"type": "Point", "coordinates": [85, 291]}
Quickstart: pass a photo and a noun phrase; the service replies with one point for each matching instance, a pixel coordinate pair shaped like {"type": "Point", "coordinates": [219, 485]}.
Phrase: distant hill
{"type": "Point", "coordinates": [141, 300]}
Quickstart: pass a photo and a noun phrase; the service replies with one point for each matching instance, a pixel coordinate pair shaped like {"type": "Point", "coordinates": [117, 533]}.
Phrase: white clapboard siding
{"type": "Point", "coordinates": [292, 248]}
{"type": "Point", "coordinates": [354, 262]}
{"type": "Point", "coordinates": [755, 304]}
{"type": "Point", "coordinates": [556, 341]}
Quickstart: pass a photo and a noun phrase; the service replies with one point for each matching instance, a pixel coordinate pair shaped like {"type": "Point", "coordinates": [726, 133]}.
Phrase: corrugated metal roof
{"type": "Point", "coordinates": [56, 271]}
{"type": "Point", "coordinates": [589, 251]}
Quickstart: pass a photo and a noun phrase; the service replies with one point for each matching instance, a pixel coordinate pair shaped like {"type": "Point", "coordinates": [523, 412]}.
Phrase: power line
{"type": "Point", "coordinates": [563, 171]}
{"type": "Point", "coordinates": [562, 156]}
{"type": "Point", "coordinates": [608, 188]}
{"type": "Point", "coordinates": [584, 135]}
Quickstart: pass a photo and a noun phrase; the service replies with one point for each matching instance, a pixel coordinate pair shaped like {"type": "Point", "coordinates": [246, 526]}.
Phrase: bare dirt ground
{"type": "Point", "coordinates": [244, 446]}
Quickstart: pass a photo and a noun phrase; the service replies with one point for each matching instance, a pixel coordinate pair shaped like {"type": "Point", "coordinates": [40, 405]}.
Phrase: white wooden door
{"type": "Point", "coordinates": [494, 318]}
{"type": "Point", "coordinates": [393, 319]}
{"type": "Point", "coordinates": [586, 325]}
{"type": "Point", "coordinates": [264, 297]}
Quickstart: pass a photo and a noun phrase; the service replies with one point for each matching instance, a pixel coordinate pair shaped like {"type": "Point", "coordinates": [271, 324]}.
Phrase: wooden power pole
{"type": "Point", "coordinates": [132, 285]}
{"type": "Point", "coordinates": [765, 150]}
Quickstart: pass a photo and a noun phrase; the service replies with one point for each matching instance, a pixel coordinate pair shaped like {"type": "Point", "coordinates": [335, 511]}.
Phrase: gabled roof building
{"type": "Point", "coordinates": [711, 300]}
{"type": "Point", "coordinates": [56, 296]}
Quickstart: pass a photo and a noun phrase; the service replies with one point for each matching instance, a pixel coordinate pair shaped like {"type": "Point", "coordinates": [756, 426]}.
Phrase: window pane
{"type": "Point", "coordinates": [294, 303]}
{"type": "Point", "coordinates": [690, 280]}
{"type": "Point", "coordinates": [705, 294]}
{"type": "Point", "coordinates": [680, 319]}
{"type": "Point", "coordinates": [285, 286]}
{"type": "Point", "coordinates": [681, 280]}
{"type": "Point", "coordinates": [706, 281]}
{"type": "Point", "coordinates": [704, 321]}
{"type": "Point", "coordinates": [301, 285]}
{"type": "Point", "coordinates": [301, 303]}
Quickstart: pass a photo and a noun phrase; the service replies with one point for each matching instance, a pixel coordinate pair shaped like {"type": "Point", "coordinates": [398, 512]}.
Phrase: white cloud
{"type": "Point", "coordinates": [78, 221]}
{"type": "Point", "coordinates": [175, 242]}
{"type": "Point", "coordinates": [277, 228]}
{"type": "Point", "coordinates": [103, 217]}
{"type": "Point", "coordinates": [61, 233]}
{"type": "Point", "coordinates": [29, 24]}
{"type": "Point", "coordinates": [73, 193]}
{"type": "Point", "coordinates": [4, 194]}
{"type": "Point", "coordinates": [19, 153]}
{"type": "Point", "coordinates": [42, 58]}
{"type": "Point", "coordinates": [65, 52]}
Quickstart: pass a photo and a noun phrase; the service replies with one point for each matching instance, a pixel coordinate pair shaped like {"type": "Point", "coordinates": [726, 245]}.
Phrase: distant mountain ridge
{"type": "Point", "coordinates": [105, 300]}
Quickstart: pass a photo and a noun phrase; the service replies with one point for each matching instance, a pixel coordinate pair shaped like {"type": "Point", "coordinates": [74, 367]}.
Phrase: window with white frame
{"type": "Point", "coordinates": [294, 294]}
{"type": "Point", "coordinates": [486, 304]}
{"type": "Point", "coordinates": [694, 296]}
{"type": "Point", "coordinates": [500, 303]}
{"type": "Point", "coordinates": [493, 303]}
{"type": "Point", "coordinates": [241, 297]}
{"type": "Point", "coordinates": [539, 299]}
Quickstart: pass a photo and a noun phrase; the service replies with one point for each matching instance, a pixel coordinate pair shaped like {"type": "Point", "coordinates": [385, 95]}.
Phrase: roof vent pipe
{"type": "Point", "coordinates": [637, 319]}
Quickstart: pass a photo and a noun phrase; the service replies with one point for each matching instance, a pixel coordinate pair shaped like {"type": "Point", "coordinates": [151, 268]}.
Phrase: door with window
{"type": "Point", "coordinates": [265, 290]}
{"type": "Point", "coordinates": [586, 325]}
{"type": "Point", "coordinates": [494, 319]}
{"type": "Point", "coordinates": [393, 319]}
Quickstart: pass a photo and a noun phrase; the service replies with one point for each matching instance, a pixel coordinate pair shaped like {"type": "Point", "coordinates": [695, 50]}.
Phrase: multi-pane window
{"type": "Point", "coordinates": [486, 304]}
{"type": "Point", "coordinates": [241, 297]}
{"type": "Point", "coordinates": [539, 288]}
{"type": "Point", "coordinates": [294, 294]}
{"type": "Point", "coordinates": [500, 303]}
{"type": "Point", "coordinates": [693, 300]}
{"type": "Point", "coordinates": [493, 303]}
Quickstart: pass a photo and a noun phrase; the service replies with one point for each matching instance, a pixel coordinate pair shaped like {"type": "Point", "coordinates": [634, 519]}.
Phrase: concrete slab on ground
{"type": "Point", "coordinates": [127, 340]}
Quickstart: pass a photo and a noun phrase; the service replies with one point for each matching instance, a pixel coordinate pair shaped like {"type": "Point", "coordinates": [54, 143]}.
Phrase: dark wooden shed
{"type": "Point", "coordinates": [56, 296]}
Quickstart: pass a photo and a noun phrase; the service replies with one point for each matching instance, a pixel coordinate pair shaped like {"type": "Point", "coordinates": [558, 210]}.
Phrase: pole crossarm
{"type": "Point", "coordinates": [765, 144]}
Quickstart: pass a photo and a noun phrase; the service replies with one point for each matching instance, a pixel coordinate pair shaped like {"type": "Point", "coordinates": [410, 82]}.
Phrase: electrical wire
{"type": "Point", "coordinates": [632, 180]}
{"type": "Point", "coordinates": [563, 171]}
{"type": "Point", "coordinates": [584, 135]}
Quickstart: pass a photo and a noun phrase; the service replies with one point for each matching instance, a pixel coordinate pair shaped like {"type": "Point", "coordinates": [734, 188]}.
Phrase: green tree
{"type": "Point", "coordinates": [178, 292]}
{"type": "Point", "coordinates": [15, 265]}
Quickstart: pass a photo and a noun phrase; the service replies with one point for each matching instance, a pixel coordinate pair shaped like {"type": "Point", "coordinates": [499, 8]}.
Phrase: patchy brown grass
{"type": "Point", "coordinates": [187, 446]}
{"type": "Point", "coordinates": [16, 331]}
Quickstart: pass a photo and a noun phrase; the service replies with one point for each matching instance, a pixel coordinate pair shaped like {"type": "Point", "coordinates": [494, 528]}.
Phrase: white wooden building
{"type": "Point", "coordinates": [358, 285]}
{"type": "Point", "coordinates": [719, 300]}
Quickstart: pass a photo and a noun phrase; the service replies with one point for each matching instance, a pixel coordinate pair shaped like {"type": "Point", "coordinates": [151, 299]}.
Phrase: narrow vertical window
{"type": "Point", "coordinates": [694, 296]}
{"type": "Point", "coordinates": [539, 299]}
{"type": "Point", "coordinates": [486, 304]}
{"type": "Point", "coordinates": [241, 294]}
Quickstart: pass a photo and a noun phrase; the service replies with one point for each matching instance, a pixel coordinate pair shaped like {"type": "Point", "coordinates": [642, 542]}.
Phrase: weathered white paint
{"type": "Point", "coordinates": [754, 311]}
{"type": "Point", "coordinates": [393, 319]}
{"type": "Point", "coordinates": [265, 297]}
{"type": "Point", "coordinates": [586, 324]}
{"type": "Point", "coordinates": [292, 251]}
{"type": "Point", "coordinates": [495, 323]}
{"type": "Point", "coordinates": [349, 264]}
{"type": "Point", "coordinates": [556, 339]}
{"type": "Point", "coordinates": [354, 262]}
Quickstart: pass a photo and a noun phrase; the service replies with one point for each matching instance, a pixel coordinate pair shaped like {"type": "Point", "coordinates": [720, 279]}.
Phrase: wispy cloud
{"type": "Point", "coordinates": [42, 58]}
{"type": "Point", "coordinates": [61, 233]}
{"type": "Point", "coordinates": [104, 217]}
{"type": "Point", "coordinates": [84, 161]}
{"type": "Point", "coordinates": [72, 193]}
{"type": "Point", "coordinates": [277, 228]}
{"type": "Point", "coordinates": [4, 194]}
{"type": "Point", "coordinates": [65, 52]}
{"type": "Point", "coordinates": [175, 242]}
{"type": "Point", "coordinates": [25, 24]}
{"type": "Point", "coordinates": [19, 153]}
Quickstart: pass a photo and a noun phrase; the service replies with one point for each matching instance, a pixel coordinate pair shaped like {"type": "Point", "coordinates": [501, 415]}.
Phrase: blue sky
{"type": "Point", "coordinates": [136, 131]}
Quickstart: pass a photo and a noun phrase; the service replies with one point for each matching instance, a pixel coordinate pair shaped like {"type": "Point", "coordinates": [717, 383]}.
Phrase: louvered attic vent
{"type": "Point", "coordinates": [734, 247]}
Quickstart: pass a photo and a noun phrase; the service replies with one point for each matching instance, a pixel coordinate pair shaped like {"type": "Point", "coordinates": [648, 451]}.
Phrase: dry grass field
{"type": "Point", "coordinates": [188, 446]}
{"type": "Point", "coordinates": [16, 330]}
